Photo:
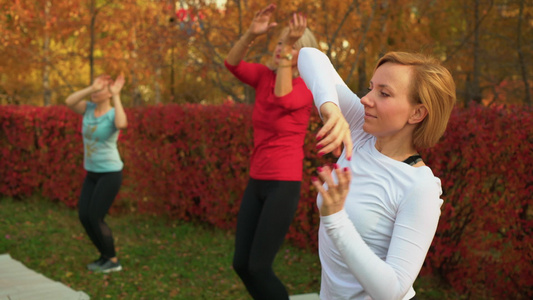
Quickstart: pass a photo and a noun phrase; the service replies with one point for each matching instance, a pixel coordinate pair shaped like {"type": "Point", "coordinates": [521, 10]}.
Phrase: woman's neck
{"type": "Point", "coordinates": [295, 73]}
{"type": "Point", "coordinates": [102, 107]}
{"type": "Point", "coordinates": [396, 148]}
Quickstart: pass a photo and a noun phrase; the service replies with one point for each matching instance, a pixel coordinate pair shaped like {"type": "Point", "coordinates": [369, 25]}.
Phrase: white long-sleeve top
{"type": "Point", "coordinates": [375, 247]}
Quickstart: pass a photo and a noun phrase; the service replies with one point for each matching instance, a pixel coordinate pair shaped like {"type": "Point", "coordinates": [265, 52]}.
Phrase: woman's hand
{"type": "Point", "coordinates": [260, 23]}
{"type": "Point", "coordinates": [334, 197]}
{"type": "Point", "coordinates": [334, 133]}
{"type": "Point", "coordinates": [296, 28]}
{"type": "Point", "coordinates": [116, 86]}
{"type": "Point", "coordinates": [100, 82]}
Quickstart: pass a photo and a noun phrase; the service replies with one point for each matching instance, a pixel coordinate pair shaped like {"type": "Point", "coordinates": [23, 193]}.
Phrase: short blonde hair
{"type": "Point", "coordinates": [306, 40]}
{"type": "Point", "coordinates": [431, 85]}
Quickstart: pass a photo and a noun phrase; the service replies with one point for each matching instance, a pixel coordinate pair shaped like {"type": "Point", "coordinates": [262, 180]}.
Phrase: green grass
{"type": "Point", "coordinates": [162, 259]}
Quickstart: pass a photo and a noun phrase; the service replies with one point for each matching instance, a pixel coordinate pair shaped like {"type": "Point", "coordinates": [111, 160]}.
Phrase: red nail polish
{"type": "Point", "coordinates": [319, 137]}
{"type": "Point", "coordinates": [320, 153]}
{"type": "Point", "coordinates": [314, 178]}
{"type": "Point", "coordinates": [345, 169]}
{"type": "Point", "coordinates": [319, 169]}
{"type": "Point", "coordinates": [335, 166]}
{"type": "Point", "coordinates": [319, 146]}
{"type": "Point", "coordinates": [350, 158]}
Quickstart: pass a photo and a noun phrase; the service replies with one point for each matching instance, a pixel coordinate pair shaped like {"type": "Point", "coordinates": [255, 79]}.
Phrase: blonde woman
{"type": "Point", "coordinates": [280, 117]}
{"type": "Point", "coordinates": [380, 204]}
{"type": "Point", "coordinates": [100, 128]}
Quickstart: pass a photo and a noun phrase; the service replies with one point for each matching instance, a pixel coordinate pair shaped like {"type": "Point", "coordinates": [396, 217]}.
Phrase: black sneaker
{"type": "Point", "coordinates": [108, 266]}
{"type": "Point", "coordinates": [96, 264]}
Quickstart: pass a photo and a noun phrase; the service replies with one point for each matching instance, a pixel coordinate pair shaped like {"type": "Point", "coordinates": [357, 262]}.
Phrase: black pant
{"type": "Point", "coordinates": [266, 212]}
{"type": "Point", "coordinates": [97, 194]}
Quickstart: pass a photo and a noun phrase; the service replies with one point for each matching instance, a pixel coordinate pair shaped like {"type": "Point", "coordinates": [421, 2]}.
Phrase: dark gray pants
{"type": "Point", "coordinates": [97, 194]}
{"type": "Point", "coordinates": [266, 212]}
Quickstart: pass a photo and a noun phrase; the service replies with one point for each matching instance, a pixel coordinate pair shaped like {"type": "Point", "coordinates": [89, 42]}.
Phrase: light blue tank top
{"type": "Point", "coordinates": [100, 141]}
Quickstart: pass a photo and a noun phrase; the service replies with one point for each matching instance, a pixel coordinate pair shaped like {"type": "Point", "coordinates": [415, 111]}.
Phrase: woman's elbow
{"type": "Point", "coordinates": [122, 125]}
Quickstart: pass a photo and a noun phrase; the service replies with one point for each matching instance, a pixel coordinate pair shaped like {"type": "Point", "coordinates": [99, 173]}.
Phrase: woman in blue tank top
{"type": "Point", "coordinates": [100, 129]}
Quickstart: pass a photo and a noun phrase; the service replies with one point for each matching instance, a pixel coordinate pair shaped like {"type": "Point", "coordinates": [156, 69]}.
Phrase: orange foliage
{"type": "Point", "coordinates": [173, 51]}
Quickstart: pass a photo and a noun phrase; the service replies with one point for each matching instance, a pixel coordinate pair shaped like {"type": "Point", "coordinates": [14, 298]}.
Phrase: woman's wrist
{"type": "Point", "coordinates": [329, 108]}
{"type": "Point", "coordinates": [248, 38]}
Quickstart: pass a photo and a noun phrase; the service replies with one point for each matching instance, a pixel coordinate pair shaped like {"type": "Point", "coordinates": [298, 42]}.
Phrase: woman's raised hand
{"type": "Point", "coordinates": [334, 197]}
{"type": "Point", "coordinates": [116, 86]}
{"type": "Point", "coordinates": [261, 22]}
{"type": "Point", "coordinates": [335, 133]}
{"type": "Point", "coordinates": [100, 82]}
{"type": "Point", "coordinates": [297, 26]}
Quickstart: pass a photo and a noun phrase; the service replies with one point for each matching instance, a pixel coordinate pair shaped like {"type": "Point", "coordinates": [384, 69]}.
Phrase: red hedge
{"type": "Point", "coordinates": [484, 243]}
{"type": "Point", "coordinates": [191, 162]}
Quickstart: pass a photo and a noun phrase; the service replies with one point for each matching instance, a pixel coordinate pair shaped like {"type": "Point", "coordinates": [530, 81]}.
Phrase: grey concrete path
{"type": "Point", "coordinates": [17, 282]}
{"type": "Point", "coordinates": [305, 297]}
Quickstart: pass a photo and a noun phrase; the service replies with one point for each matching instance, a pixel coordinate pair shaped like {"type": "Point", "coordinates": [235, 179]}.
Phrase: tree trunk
{"type": "Point", "coordinates": [332, 39]}
{"type": "Point", "coordinates": [360, 49]}
{"type": "Point", "coordinates": [47, 93]}
{"type": "Point", "coordinates": [135, 93]}
{"type": "Point", "coordinates": [157, 84]}
{"type": "Point", "coordinates": [521, 59]}
{"type": "Point", "coordinates": [172, 75]}
{"type": "Point", "coordinates": [475, 88]}
{"type": "Point", "coordinates": [362, 83]}
{"type": "Point", "coordinates": [249, 94]}
{"type": "Point", "coordinates": [91, 43]}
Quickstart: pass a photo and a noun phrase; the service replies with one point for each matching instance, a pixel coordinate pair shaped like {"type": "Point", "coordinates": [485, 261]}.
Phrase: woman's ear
{"type": "Point", "coordinates": [419, 114]}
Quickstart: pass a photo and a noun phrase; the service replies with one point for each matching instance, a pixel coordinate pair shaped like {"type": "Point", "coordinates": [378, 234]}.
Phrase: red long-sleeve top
{"type": "Point", "coordinates": [279, 123]}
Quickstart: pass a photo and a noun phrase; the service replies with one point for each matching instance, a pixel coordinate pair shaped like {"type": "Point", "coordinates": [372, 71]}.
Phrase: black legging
{"type": "Point", "coordinates": [266, 212]}
{"type": "Point", "coordinates": [97, 194]}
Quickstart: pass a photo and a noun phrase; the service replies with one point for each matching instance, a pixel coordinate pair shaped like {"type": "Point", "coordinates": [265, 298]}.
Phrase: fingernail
{"type": "Point", "coordinates": [335, 166]}
{"type": "Point", "coordinates": [320, 153]}
{"type": "Point", "coordinates": [314, 178]}
{"type": "Point", "coordinates": [319, 137]}
{"type": "Point", "coordinates": [345, 169]}
{"type": "Point", "coordinates": [319, 146]}
{"type": "Point", "coordinates": [319, 169]}
{"type": "Point", "coordinates": [349, 158]}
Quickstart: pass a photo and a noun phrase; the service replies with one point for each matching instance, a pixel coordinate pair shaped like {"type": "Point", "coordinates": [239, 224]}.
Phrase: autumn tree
{"type": "Point", "coordinates": [173, 51]}
{"type": "Point", "coordinates": [30, 47]}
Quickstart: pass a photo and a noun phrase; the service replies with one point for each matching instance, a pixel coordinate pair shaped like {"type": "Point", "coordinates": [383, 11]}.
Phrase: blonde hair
{"type": "Point", "coordinates": [306, 40]}
{"type": "Point", "coordinates": [431, 85]}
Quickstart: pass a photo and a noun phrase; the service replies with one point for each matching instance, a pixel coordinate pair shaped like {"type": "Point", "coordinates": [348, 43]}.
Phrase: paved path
{"type": "Point", "coordinates": [305, 297]}
{"type": "Point", "coordinates": [17, 282]}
